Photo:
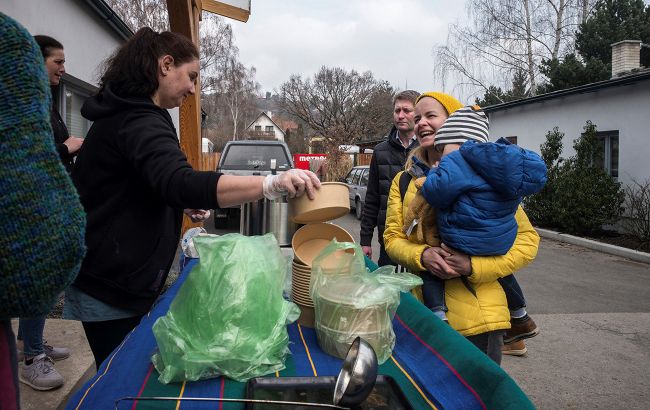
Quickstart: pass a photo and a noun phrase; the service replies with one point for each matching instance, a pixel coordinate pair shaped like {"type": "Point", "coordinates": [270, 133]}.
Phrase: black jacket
{"type": "Point", "coordinates": [134, 181]}
{"type": "Point", "coordinates": [388, 159]}
{"type": "Point", "coordinates": [61, 134]}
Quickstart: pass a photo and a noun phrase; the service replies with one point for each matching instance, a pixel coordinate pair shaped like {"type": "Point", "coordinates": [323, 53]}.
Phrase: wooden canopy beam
{"type": "Point", "coordinates": [228, 10]}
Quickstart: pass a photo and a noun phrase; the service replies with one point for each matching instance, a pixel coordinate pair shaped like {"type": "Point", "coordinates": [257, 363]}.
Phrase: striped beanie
{"type": "Point", "coordinates": [450, 103]}
{"type": "Point", "coordinates": [467, 123]}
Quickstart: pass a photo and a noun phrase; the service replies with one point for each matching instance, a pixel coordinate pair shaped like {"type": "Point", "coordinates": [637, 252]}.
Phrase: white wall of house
{"type": "Point", "coordinates": [619, 108]}
{"type": "Point", "coordinates": [264, 122]}
{"type": "Point", "coordinates": [86, 38]}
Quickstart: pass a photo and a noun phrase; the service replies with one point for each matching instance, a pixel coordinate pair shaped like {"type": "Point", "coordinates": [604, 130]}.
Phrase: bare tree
{"type": "Point", "coordinates": [340, 107]}
{"type": "Point", "coordinates": [142, 13]}
{"type": "Point", "coordinates": [505, 36]}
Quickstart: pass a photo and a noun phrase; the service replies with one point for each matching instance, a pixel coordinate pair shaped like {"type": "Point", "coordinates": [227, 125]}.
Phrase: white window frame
{"type": "Point", "coordinates": [78, 87]}
{"type": "Point", "coordinates": [609, 137]}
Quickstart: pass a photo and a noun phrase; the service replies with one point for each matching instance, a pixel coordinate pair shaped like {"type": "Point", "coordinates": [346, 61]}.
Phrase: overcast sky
{"type": "Point", "coordinates": [392, 38]}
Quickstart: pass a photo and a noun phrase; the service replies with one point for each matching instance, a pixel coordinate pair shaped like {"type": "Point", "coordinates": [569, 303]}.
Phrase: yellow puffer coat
{"type": "Point", "coordinates": [468, 314]}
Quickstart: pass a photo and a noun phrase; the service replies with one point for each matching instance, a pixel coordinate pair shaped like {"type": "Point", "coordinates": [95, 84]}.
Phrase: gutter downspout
{"type": "Point", "coordinates": [108, 15]}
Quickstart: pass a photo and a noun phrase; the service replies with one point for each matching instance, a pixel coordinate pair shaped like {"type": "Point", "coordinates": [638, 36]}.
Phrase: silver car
{"type": "Point", "coordinates": [357, 180]}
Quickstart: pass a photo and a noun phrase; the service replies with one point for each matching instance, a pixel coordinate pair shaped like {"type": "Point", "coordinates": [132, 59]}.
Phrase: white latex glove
{"type": "Point", "coordinates": [293, 183]}
{"type": "Point", "coordinates": [197, 215]}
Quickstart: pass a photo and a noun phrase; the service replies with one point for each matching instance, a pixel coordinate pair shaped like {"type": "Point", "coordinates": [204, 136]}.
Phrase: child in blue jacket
{"type": "Point", "coordinates": [476, 190]}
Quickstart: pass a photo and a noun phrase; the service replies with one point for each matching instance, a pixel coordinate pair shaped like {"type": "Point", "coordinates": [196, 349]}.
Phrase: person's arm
{"type": "Point", "coordinates": [398, 247]}
{"type": "Point", "coordinates": [153, 149]}
{"type": "Point", "coordinates": [522, 252]}
{"type": "Point", "coordinates": [447, 181]}
{"type": "Point", "coordinates": [235, 190]}
{"type": "Point", "coordinates": [72, 145]}
{"type": "Point", "coordinates": [371, 205]}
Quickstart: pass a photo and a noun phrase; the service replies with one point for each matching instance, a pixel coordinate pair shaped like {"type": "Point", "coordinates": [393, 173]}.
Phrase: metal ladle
{"type": "Point", "coordinates": [353, 384]}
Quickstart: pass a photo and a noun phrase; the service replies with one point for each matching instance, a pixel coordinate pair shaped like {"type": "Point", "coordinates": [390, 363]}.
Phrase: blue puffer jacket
{"type": "Point", "coordinates": [476, 191]}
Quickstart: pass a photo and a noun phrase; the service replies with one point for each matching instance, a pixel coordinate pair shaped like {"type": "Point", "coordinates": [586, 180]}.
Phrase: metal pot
{"type": "Point", "coordinates": [265, 216]}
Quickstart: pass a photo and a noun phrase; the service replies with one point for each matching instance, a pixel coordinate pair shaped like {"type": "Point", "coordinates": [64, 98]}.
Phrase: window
{"type": "Point", "coordinates": [269, 128]}
{"type": "Point", "coordinates": [364, 177]}
{"type": "Point", "coordinates": [71, 95]}
{"type": "Point", "coordinates": [241, 157]}
{"type": "Point", "coordinates": [512, 139]}
{"type": "Point", "coordinates": [609, 152]}
{"type": "Point", "coordinates": [352, 176]}
{"type": "Point", "coordinates": [258, 128]}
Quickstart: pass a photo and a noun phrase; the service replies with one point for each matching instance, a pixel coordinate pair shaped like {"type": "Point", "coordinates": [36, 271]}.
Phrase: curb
{"type": "Point", "coordinates": [595, 245]}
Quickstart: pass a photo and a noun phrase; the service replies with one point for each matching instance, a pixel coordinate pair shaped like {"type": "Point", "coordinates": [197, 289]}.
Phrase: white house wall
{"type": "Point", "coordinates": [86, 38]}
{"type": "Point", "coordinates": [263, 121]}
{"type": "Point", "coordinates": [623, 108]}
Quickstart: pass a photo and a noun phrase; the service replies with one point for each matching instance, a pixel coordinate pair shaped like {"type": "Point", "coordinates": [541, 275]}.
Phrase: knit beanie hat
{"type": "Point", "coordinates": [450, 103]}
{"type": "Point", "coordinates": [467, 123]}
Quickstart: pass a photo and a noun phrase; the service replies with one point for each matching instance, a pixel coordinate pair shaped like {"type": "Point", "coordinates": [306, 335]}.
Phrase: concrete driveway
{"type": "Point", "coordinates": [593, 310]}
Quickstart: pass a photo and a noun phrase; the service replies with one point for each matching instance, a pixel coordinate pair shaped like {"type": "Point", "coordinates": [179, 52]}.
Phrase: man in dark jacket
{"type": "Point", "coordinates": [388, 159]}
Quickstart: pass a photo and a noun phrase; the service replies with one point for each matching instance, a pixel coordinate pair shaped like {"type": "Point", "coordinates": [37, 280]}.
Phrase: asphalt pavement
{"type": "Point", "coordinates": [593, 310]}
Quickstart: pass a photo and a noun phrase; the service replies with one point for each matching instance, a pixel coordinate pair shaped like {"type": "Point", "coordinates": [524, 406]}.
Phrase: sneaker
{"type": "Point", "coordinates": [41, 374]}
{"type": "Point", "coordinates": [517, 348]}
{"type": "Point", "coordinates": [55, 353]}
{"type": "Point", "coordinates": [522, 328]}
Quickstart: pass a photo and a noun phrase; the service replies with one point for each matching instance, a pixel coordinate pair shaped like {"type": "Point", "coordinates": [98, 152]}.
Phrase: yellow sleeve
{"type": "Point", "coordinates": [398, 247]}
{"type": "Point", "coordinates": [522, 252]}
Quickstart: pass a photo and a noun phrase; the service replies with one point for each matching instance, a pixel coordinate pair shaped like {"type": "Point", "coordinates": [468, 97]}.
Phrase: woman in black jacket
{"type": "Point", "coordinates": [134, 182]}
{"type": "Point", "coordinates": [54, 57]}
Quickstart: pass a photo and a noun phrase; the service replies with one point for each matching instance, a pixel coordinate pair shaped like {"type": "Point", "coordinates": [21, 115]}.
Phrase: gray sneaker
{"type": "Point", "coordinates": [55, 353]}
{"type": "Point", "coordinates": [41, 374]}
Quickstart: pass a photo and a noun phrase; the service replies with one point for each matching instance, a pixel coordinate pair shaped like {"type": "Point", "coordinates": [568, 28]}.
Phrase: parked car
{"type": "Point", "coordinates": [249, 157]}
{"type": "Point", "coordinates": [357, 180]}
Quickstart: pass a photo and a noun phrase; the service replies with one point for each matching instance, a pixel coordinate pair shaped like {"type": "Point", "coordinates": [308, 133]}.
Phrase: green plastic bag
{"type": "Point", "coordinates": [351, 301]}
{"type": "Point", "coordinates": [229, 317]}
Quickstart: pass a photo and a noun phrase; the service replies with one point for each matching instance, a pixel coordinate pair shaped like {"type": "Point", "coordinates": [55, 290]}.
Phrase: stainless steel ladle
{"type": "Point", "coordinates": [353, 384]}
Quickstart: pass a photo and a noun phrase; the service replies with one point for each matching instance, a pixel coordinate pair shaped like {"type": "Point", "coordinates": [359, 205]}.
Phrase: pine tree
{"type": "Point", "coordinates": [612, 21]}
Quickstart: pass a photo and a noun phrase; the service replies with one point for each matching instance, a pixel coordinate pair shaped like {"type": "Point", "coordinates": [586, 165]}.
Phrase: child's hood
{"type": "Point", "coordinates": [508, 168]}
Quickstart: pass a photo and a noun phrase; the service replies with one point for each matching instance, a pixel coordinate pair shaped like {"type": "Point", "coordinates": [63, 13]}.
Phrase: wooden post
{"type": "Point", "coordinates": [184, 16]}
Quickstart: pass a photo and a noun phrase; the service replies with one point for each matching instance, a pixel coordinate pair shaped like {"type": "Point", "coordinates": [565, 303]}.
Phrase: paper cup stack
{"type": "Point", "coordinates": [330, 202]}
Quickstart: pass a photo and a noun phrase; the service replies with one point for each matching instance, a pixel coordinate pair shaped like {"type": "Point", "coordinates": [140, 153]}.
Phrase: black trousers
{"type": "Point", "coordinates": [103, 337]}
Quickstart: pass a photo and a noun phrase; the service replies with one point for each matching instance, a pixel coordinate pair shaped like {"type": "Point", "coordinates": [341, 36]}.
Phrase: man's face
{"type": "Point", "coordinates": [403, 113]}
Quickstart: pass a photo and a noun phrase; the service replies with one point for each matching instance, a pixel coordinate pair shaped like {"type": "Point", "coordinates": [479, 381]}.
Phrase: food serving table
{"type": "Point", "coordinates": [433, 365]}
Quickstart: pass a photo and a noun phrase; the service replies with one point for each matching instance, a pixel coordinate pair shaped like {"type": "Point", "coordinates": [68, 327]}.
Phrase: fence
{"type": "Point", "coordinates": [363, 159]}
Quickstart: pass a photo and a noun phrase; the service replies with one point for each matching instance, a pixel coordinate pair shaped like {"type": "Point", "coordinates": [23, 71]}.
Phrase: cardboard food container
{"type": "Point", "coordinates": [330, 202]}
{"type": "Point", "coordinates": [310, 240]}
{"type": "Point", "coordinates": [340, 317]}
{"type": "Point", "coordinates": [337, 342]}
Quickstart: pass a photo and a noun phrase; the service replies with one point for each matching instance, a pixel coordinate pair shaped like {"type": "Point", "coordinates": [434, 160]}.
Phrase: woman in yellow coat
{"type": "Point", "coordinates": [476, 301]}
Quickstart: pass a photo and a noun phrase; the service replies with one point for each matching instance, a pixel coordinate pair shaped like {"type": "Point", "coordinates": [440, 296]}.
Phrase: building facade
{"type": "Point", "coordinates": [618, 107]}
{"type": "Point", "coordinates": [89, 31]}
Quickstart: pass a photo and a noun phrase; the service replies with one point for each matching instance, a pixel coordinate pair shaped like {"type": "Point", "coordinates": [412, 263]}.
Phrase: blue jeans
{"type": "Point", "coordinates": [433, 292]}
{"type": "Point", "coordinates": [514, 294]}
{"type": "Point", "coordinates": [30, 331]}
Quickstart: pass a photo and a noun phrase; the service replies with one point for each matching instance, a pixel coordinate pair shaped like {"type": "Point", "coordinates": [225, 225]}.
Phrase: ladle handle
{"type": "Point", "coordinates": [272, 402]}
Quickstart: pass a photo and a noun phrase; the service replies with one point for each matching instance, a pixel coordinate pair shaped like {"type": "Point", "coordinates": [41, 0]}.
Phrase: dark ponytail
{"type": "Point", "coordinates": [47, 44]}
{"type": "Point", "coordinates": [133, 70]}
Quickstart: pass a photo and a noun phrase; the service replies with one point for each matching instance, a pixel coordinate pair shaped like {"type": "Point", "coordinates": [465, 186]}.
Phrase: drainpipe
{"type": "Point", "coordinates": [108, 15]}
